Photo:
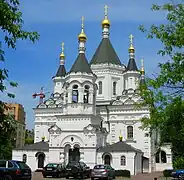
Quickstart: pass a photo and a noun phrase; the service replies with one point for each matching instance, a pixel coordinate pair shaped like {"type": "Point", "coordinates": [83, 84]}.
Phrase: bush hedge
{"type": "Point", "coordinates": [122, 173]}
{"type": "Point", "coordinates": [167, 172]}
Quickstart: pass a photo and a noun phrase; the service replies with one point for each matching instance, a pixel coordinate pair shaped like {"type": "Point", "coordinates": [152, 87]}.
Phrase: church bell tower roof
{"type": "Point", "coordinates": [131, 63]}
{"type": "Point", "coordinates": [105, 53]}
{"type": "Point", "coordinates": [81, 64]}
{"type": "Point", "coordinates": [61, 72]}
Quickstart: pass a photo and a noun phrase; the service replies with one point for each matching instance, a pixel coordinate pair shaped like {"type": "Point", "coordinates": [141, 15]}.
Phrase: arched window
{"type": "Point", "coordinates": [100, 87]}
{"type": "Point", "coordinates": [160, 157]}
{"type": "Point", "coordinates": [157, 157]}
{"type": "Point", "coordinates": [130, 132]}
{"type": "Point", "coordinates": [24, 158]}
{"type": "Point", "coordinates": [114, 88]}
{"type": "Point", "coordinates": [163, 157]}
{"type": "Point", "coordinates": [75, 94]}
{"type": "Point", "coordinates": [123, 161]}
{"type": "Point", "coordinates": [86, 94]}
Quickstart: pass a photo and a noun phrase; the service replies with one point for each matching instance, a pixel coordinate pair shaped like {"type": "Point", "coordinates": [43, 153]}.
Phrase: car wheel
{"type": "Point", "coordinates": [181, 177]}
{"type": "Point", "coordinates": [7, 177]}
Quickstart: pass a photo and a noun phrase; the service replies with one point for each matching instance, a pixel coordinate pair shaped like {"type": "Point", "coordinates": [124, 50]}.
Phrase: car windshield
{"type": "Point", "coordinates": [99, 167]}
{"type": "Point", "coordinates": [51, 165]}
{"type": "Point", "coordinates": [22, 165]}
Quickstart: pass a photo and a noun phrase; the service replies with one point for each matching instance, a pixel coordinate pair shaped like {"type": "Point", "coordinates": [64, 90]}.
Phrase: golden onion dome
{"type": "Point", "coordinates": [131, 49]}
{"type": "Point", "coordinates": [106, 22]}
{"type": "Point", "coordinates": [82, 36]}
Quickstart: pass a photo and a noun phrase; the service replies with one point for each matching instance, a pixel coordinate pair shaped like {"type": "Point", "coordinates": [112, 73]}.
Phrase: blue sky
{"type": "Point", "coordinates": [33, 65]}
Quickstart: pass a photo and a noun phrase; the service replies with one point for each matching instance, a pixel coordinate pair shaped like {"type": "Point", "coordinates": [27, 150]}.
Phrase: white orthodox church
{"type": "Point", "coordinates": [92, 117]}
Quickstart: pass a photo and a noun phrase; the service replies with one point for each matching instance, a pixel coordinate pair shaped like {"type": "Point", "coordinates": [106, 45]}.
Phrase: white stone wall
{"type": "Point", "coordinates": [116, 161]}
{"type": "Point", "coordinates": [32, 161]}
{"type": "Point", "coordinates": [108, 74]}
{"type": "Point", "coordinates": [168, 165]}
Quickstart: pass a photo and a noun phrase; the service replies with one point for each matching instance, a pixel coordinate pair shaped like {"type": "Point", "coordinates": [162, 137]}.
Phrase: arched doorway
{"type": "Point", "coordinates": [74, 154]}
{"type": "Point", "coordinates": [41, 158]}
{"type": "Point", "coordinates": [107, 159]}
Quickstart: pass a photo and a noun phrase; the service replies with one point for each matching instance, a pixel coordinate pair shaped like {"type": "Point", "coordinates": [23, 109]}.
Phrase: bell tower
{"type": "Point", "coordinates": [80, 82]}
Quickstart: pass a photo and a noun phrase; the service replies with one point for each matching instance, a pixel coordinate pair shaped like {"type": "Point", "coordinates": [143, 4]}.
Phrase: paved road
{"type": "Point", "coordinates": [60, 179]}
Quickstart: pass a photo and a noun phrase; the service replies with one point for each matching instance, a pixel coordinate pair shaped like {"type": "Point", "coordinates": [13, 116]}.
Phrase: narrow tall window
{"type": "Point", "coordinates": [24, 158]}
{"type": "Point", "coordinates": [86, 94]}
{"type": "Point", "coordinates": [114, 88]}
{"type": "Point", "coordinates": [100, 87]}
{"type": "Point", "coordinates": [123, 161]}
{"type": "Point", "coordinates": [75, 94]}
{"type": "Point", "coordinates": [130, 132]}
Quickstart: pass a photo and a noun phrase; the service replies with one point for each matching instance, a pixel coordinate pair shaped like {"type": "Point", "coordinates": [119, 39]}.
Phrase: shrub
{"type": "Point", "coordinates": [122, 173]}
{"type": "Point", "coordinates": [167, 172]}
{"type": "Point", "coordinates": [178, 163]}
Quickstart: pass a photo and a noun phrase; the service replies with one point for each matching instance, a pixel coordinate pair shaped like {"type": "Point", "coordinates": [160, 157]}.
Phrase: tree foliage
{"type": "Point", "coordinates": [29, 136]}
{"type": "Point", "coordinates": [166, 90]}
{"type": "Point", "coordinates": [11, 24]}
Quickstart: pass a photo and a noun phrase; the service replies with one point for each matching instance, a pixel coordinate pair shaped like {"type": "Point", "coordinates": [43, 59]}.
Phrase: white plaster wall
{"type": "Point", "coordinates": [168, 165]}
{"type": "Point", "coordinates": [131, 79]}
{"type": "Point", "coordinates": [54, 155]}
{"type": "Point", "coordinates": [58, 84]}
{"type": "Point", "coordinates": [32, 161]}
{"type": "Point", "coordinates": [90, 156]}
{"type": "Point", "coordinates": [108, 74]}
{"type": "Point", "coordinates": [116, 160]}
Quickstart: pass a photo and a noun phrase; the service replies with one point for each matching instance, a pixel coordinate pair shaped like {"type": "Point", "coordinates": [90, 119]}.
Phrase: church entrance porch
{"type": "Point", "coordinates": [72, 154]}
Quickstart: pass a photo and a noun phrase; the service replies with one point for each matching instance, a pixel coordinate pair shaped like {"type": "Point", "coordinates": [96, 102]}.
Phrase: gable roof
{"type": "Point", "coordinates": [132, 65]}
{"type": "Point", "coordinates": [105, 54]}
{"type": "Point", "coordinates": [120, 146]}
{"type": "Point", "coordinates": [81, 65]}
{"type": "Point", "coordinates": [61, 72]}
{"type": "Point", "coordinates": [39, 146]}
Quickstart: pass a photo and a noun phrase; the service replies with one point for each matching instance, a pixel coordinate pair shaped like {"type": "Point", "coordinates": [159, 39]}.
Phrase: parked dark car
{"type": "Point", "coordinates": [178, 174]}
{"type": "Point", "coordinates": [54, 170]}
{"type": "Point", "coordinates": [14, 170]}
{"type": "Point", "coordinates": [102, 172]}
{"type": "Point", "coordinates": [77, 169]}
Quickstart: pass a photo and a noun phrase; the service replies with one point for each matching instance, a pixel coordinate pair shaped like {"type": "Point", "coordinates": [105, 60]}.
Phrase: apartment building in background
{"type": "Point", "coordinates": [17, 110]}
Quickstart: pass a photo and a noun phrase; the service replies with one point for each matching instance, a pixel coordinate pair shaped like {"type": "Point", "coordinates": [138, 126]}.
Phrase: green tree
{"type": "Point", "coordinates": [166, 91]}
{"type": "Point", "coordinates": [11, 24]}
{"type": "Point", "coordinates": [29, 136]}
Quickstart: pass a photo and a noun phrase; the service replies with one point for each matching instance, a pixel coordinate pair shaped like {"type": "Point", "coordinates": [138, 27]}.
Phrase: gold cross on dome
{"type": "Point", "coordinates": [82, 19]}
{"type": "Point", "coordinates": [131, 38]}
{"type": "Point", "coordinates": [106, 10]}
{"type": "Point", "coordinates": [62, 46]}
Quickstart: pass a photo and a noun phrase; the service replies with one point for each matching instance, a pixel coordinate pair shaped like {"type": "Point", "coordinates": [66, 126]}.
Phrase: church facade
{"type": "Point", "coordinates": [92, 115]}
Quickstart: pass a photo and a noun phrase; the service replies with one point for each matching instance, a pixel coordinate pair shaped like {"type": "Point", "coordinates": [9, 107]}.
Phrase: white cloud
{"type": "Point", "coordinates": [54, 11]}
